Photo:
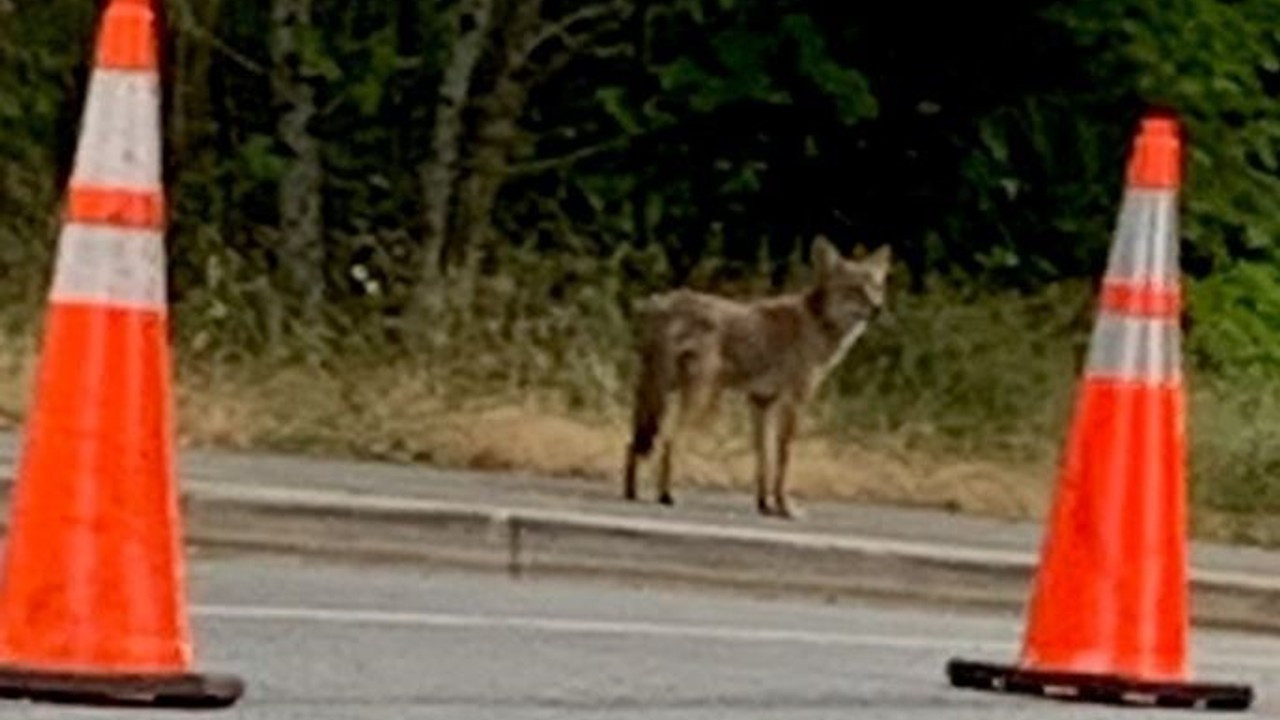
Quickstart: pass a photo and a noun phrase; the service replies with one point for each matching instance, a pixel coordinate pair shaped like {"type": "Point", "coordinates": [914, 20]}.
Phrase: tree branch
{"type": "Point", "coordinates": [537, 166]}
{"type": "Point", "coordinates": [187, 23]}
{"type": "Point", "coordinates": [573, 46]}
{"type": "Point", "coordinates": [620, 50]}
{"type": "Point", "coordinates": [562, 27]}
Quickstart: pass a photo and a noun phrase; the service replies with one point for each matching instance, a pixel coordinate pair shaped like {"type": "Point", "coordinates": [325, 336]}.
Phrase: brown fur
{"type": "Point", "coordinates": [776, 351]}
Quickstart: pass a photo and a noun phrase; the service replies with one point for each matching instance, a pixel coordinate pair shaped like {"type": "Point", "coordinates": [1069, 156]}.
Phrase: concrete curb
{"type": "Point", "coordinates": [530, 542]}
{"type": "Point", "coordinates": [533, 542]}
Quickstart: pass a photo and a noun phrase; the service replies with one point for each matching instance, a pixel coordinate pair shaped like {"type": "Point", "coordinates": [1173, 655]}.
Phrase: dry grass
{"type": "Point", "coordinates": [542, 441]}
{"type": "Point", "coordinates": [17, 355]}
{"type": "Point", "coordinates": [960, 402]}
{"type": "Point", "coordinates": [390, 413]}
{"type": "Point", "coordinates": [313, 412]}
{"type": "Point", "coordinates": [393, 413]}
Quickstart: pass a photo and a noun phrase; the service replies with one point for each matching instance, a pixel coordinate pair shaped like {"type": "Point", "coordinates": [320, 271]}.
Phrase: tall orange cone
{"type": "Point", "coordinates": [92, 590]}
{"type": "Point", "coordinates": [1108, 618]}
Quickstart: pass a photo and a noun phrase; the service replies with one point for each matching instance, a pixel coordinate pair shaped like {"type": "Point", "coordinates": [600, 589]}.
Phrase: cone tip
{"type": "Point", "coordinates": [128, 36]}
{"type": "Point", "coordinates": [1161, 120]}
{"type": "Point", "coordinates": [1160, 126]}
{"type": "Point", "coordinates": [1156, 161]}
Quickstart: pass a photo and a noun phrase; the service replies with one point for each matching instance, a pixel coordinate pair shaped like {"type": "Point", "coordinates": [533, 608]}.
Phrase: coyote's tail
{"type": "Point", "coordinates": [651, 385]}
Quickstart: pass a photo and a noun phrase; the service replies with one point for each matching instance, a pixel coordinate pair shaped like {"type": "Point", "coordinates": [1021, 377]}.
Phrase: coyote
{"type": "Point", "coordinates": [776, 351]}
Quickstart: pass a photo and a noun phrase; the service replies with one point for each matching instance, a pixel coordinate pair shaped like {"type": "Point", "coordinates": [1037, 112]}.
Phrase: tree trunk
{"type": "Point", "coordinates": [639, 31]}
{"type": "Point", "coordinates": [439, 173]}
{"type": "Point", "coordinates": [191, 111]}
{"type": "Point", "coordinates": [497, 136]}
{"type": "Point", "coordinates": [496, 140]}
{"type": "Point", "coordinates": [190, 114]}
{"type": "Point", "coordinates": [301, 221]}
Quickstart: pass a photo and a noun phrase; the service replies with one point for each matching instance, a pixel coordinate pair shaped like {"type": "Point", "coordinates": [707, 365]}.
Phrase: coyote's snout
{"type": "Point", "coordinates": [776, 351]}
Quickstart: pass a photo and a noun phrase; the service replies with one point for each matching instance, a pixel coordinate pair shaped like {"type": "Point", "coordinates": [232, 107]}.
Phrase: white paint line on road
{"type": "Point", "coordinates": [1222, 657]}
{"type": "Point", "coordinates": [586, 627]}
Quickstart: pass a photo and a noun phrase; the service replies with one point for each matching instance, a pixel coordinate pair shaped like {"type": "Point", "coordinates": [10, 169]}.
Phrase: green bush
{"type": "Point", "coordinates": [1235, 315]}
{"type": "Point", "coordinates": [983, 374]}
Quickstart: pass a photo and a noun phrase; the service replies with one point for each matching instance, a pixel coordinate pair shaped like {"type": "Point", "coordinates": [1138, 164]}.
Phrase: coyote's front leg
{"type": "Point", "coordinates": [764, 426]}
{"type": "Point", "coordinates": [788, 417]}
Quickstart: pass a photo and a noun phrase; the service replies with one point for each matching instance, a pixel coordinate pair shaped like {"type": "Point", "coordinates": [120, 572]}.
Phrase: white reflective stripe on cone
{"type": "Point", "coordinates": [1145, 243]}
{"type": "Point", "coordinates": [1135, 348]}
{"type": "Point", "coordinates": [119, 144]}
{"type": "Point", "coordinates": [110, 266]}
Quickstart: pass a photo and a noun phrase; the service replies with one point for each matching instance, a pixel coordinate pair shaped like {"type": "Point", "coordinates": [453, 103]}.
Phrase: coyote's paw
{"type": "Point", "coordinates": [787, 511]}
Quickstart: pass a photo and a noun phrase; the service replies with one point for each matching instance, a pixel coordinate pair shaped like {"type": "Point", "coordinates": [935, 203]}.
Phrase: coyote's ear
{"type": "Point", "coordinates": [878, 261]}
{"type": "Point", "coordinates": [825, 256]}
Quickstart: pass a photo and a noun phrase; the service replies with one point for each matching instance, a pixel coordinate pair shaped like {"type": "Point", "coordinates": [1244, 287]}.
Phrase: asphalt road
{"type": "Point", "coordinates": [346, 641]}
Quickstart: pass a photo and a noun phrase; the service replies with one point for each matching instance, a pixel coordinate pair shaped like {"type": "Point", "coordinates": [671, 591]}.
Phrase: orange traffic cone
{"type": "Point", "coordinates": [92, 587]}
{"type": "Point", "coordinates": [1108, 618]}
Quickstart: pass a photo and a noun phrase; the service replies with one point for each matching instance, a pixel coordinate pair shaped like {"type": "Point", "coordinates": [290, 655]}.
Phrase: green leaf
{"type": "Point", "coordinates": [615, 102]}
{"type": "Point", "coordinates": [316, 60]}
{"type": "Point", "coordinates": [847, 87]}
{"type": "Point", "coordinates": [259, 158]}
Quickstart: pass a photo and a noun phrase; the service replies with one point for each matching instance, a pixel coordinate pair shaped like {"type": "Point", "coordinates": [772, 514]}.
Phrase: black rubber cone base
{"type": "Point", "coordinates": [1105, 689]}
{"type": "Point", "coordinates": [122, 689]}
